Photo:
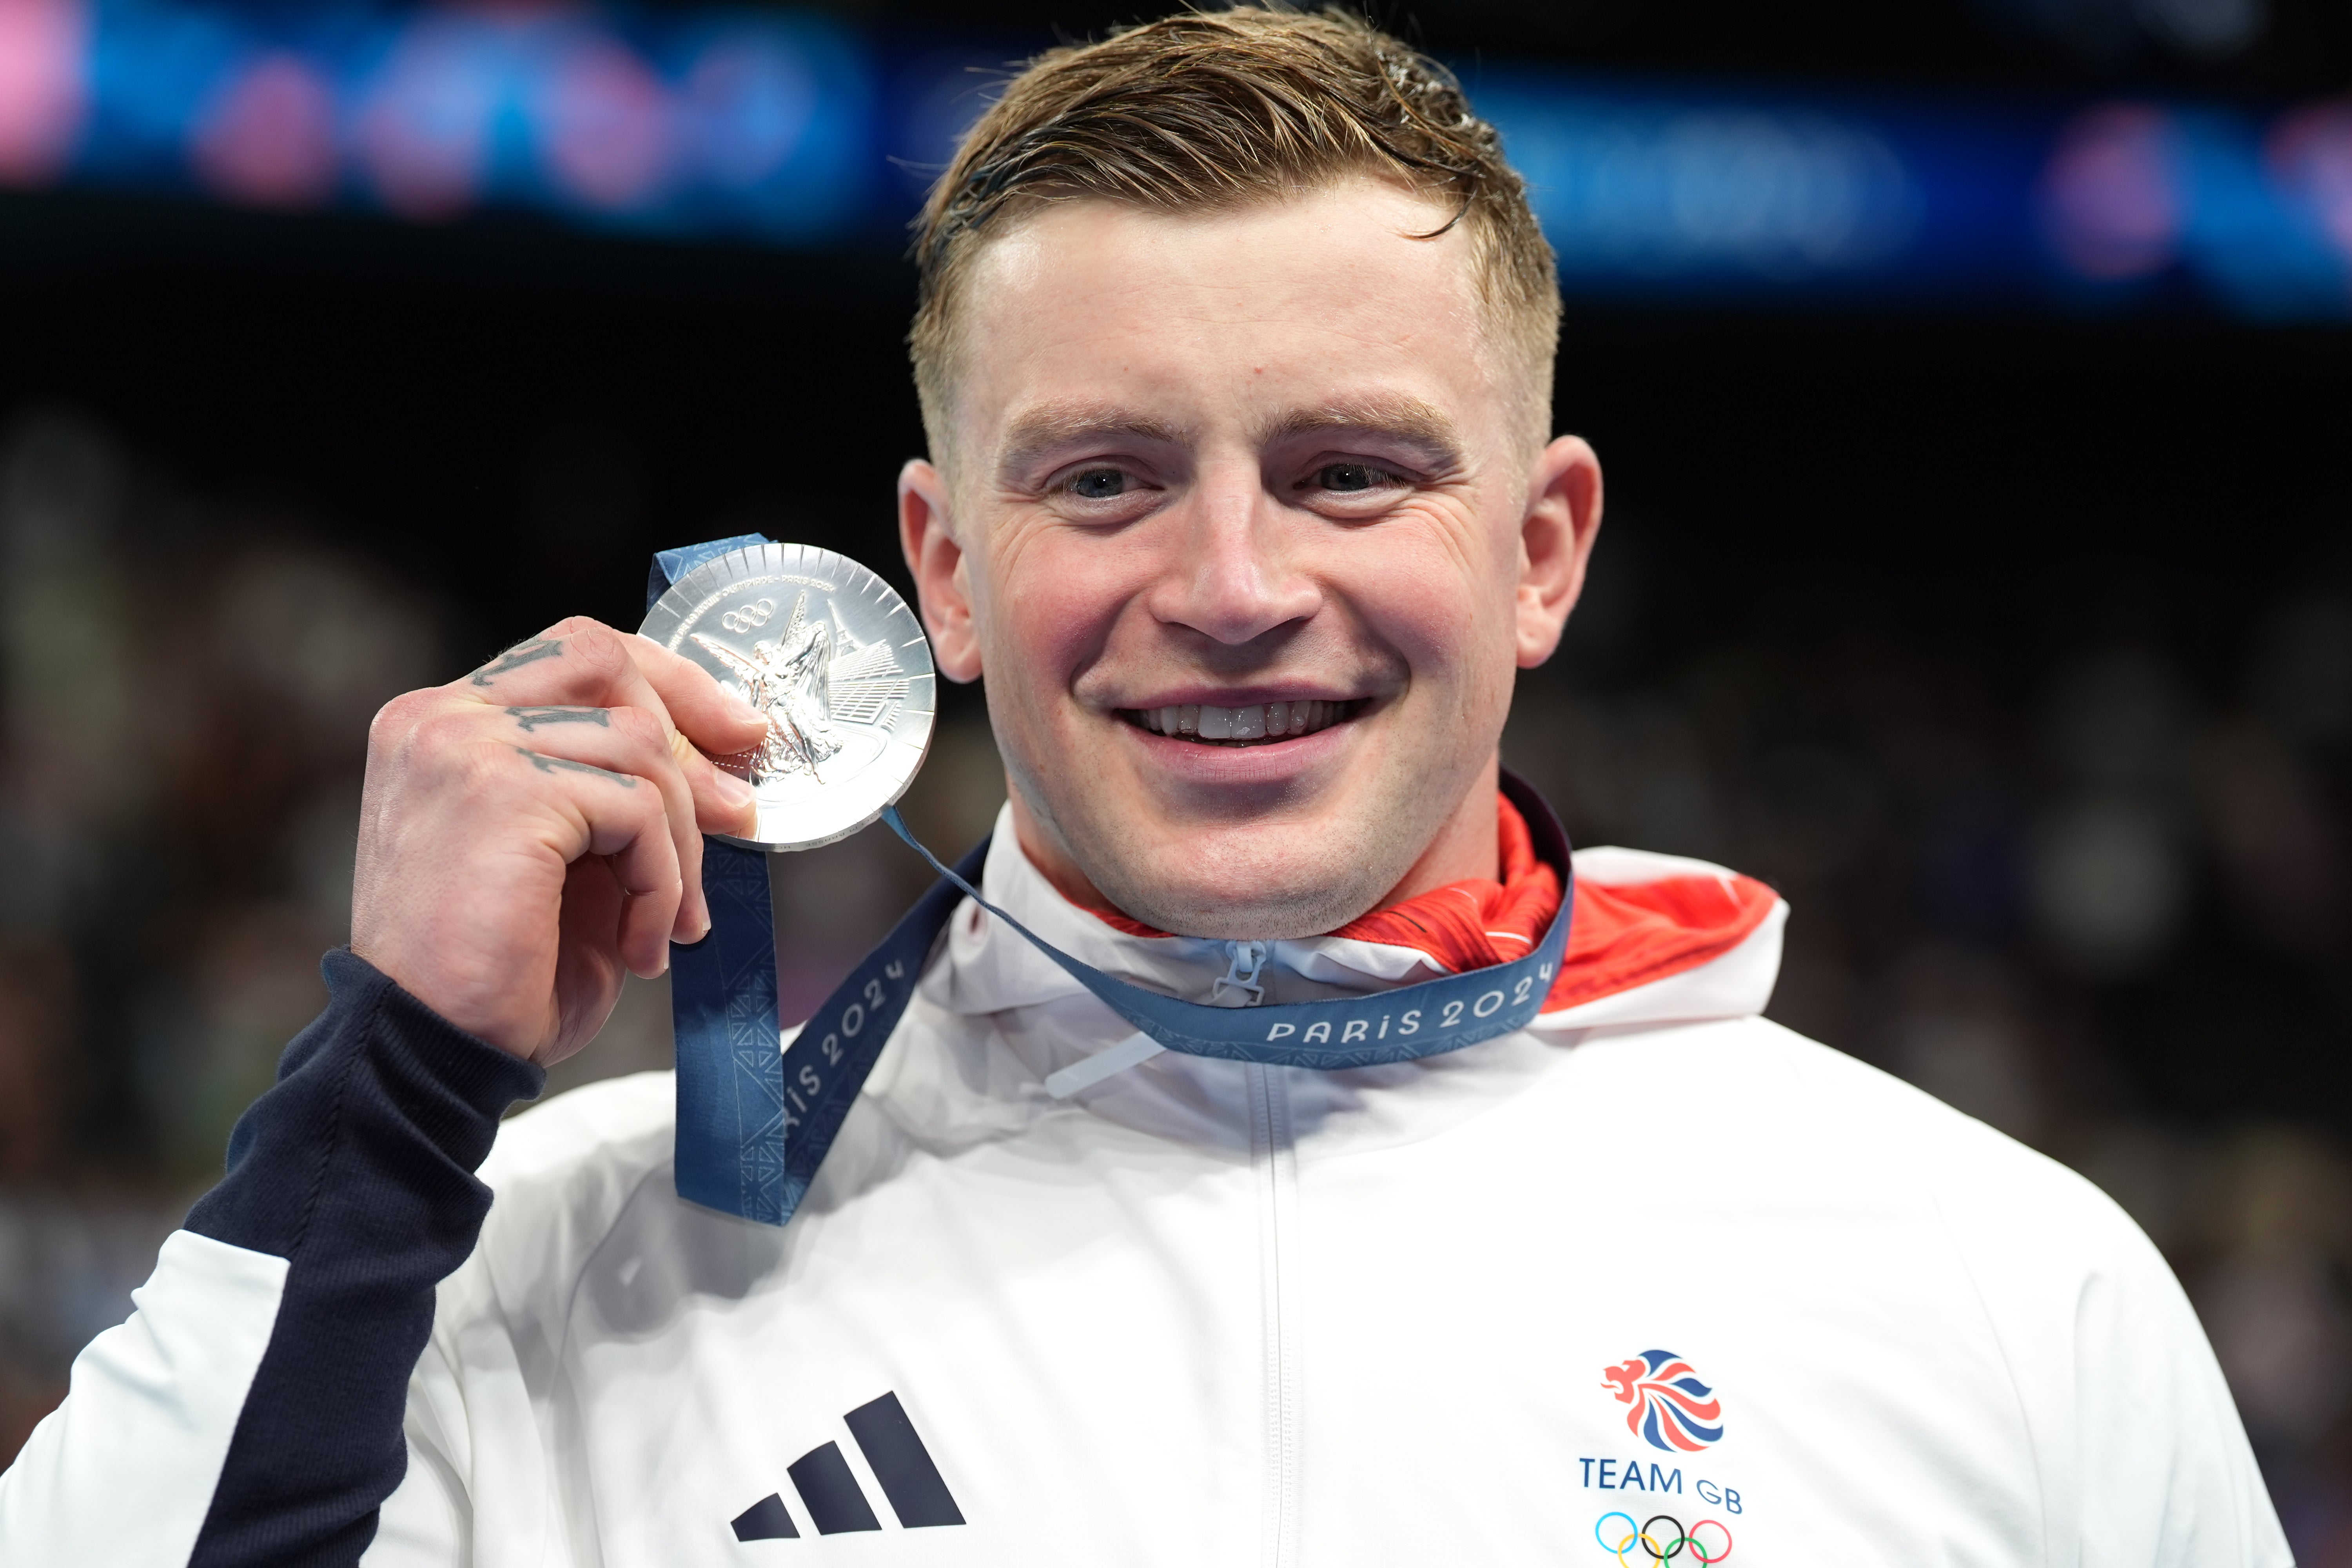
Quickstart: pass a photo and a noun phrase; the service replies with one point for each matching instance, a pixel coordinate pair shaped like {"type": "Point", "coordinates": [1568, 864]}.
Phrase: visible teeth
{"type": "Point", "coordinates": [1253, 721]}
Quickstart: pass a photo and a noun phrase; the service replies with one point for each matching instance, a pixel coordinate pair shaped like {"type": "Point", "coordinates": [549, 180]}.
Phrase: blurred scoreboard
{"type": "Point", "coordinates": [796, 128]}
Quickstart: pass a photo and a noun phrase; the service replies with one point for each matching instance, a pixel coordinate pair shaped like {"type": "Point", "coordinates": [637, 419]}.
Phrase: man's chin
{"type": "Point", "coordinates": [1231, 894]}
{"type": "Point", "coordinates": [1296, 859]}
{"type": "Point", "coordinates": [1197, 914]}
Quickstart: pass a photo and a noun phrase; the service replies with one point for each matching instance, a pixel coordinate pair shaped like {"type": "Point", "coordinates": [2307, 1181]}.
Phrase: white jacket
{"type": "Point", "coordinates": [1210, 1312]}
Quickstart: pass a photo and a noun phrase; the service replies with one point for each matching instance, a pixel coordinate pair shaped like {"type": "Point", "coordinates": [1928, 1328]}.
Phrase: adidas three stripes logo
{"type": "Point", "coordinates": [829, 1492]}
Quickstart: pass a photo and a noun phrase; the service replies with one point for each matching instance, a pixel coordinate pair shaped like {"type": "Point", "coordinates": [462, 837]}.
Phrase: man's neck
{"type": "Point", "coordinates": [1464, 848]}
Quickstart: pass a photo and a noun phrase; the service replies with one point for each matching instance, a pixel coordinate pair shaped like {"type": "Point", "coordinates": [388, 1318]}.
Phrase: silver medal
{"type": "Point", "coordinates": [837, 662]}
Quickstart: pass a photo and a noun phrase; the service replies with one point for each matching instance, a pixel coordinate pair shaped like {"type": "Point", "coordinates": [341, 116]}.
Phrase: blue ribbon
{"type": "Point", "coordinates": [669, 565]}
{"type": "Point", "coordinates": [754, 1122]}
{"type": "Point", "coordinates": [723, 1005]}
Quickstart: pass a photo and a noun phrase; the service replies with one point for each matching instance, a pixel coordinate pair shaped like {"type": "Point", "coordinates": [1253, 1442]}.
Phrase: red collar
{"type": "Point", "coordinates": [1620, 936]}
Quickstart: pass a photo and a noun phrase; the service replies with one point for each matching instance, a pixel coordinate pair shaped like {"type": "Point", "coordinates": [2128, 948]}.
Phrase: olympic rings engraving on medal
{"type": "Point", "coordinates": [748, 617]}
{"type": "Point", "coordinates": [1659, 1546]}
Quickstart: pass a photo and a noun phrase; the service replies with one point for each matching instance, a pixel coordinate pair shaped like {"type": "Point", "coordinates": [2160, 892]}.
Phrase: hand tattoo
{"type": "Point", "coordinates": [547, 765]}
{"type": "Point", "coordinates": [530, 719]}
{"type": "Point", "coordinates": [515, 658]}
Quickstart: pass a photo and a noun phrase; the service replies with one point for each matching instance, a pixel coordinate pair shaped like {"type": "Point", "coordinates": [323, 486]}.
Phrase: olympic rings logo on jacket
{"type": "Point", "coordinates": [1658, 1547]}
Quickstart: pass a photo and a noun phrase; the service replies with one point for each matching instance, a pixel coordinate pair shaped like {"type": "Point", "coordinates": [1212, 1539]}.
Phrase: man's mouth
{"type": "Point", "coordinates": [1252, 724]}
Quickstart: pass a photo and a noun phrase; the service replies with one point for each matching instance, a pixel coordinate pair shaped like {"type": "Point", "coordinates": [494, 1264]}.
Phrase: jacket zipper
{"type": "Point", "coordinates": [1274, 1157]}
{"type": "Point", "coordinates": [1244, 963]}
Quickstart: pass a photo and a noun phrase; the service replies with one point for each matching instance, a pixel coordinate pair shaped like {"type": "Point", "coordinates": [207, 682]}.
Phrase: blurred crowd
{"type": "Point", "coordinates": [2106, 910]}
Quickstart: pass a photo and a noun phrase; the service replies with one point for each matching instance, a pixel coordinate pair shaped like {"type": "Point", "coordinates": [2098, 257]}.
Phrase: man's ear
{"type": "Point", "coordinates": [926, 534]}
{"type": "Point", "coordinates": [1563, 519]}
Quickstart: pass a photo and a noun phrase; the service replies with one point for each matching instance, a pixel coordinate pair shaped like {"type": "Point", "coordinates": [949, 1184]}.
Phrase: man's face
{"type": "Point", "coordinates": [1207, 463]}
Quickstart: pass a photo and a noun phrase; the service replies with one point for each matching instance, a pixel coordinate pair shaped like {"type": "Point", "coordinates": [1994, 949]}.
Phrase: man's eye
{"type": "Point", "coordinates": [1346, 477]}
{"type": "Point", "coordinates": [1099, 484]}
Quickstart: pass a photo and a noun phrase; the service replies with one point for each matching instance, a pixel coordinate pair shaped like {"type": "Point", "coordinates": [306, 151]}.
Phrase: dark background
{"type": "Point", "coordinates": [2015, 649]}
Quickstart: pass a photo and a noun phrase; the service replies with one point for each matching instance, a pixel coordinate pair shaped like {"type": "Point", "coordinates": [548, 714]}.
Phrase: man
{"type": "Point", "coordinates": [1234, 350]}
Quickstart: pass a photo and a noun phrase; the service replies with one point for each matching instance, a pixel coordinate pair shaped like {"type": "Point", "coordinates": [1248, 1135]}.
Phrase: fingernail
{"type": "Point", "coordinates": [742, 712]}
{"type": "Point", "coordinates": [730, 790]}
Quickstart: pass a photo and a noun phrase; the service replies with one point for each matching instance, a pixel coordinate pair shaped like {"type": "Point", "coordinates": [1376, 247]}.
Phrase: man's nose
{"type": "Point", "coordinates": [1232, 579]}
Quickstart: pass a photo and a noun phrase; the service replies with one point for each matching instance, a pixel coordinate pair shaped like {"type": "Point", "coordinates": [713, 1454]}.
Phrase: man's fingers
{"type": "Point", "coordinates": [582, 663]}
{"type": "Point", "coordinates": [577, 662]}
{"type": "Point", "coordinates": [555, 685]}
{"type": "Point", "coordinates": [716, 720]}
{"type": "Point", "coordinates": [711, 722]}
{"type": "Point", "coordinates": [622, 816]}
{"type": "Point", "coordinates": [723, 803]}
{"type": "Point", "coordinates": [572, 660]}
{"type": "Point", "coordinates": [708, 722]}
{"type": "Point", "coordinates": [628, 742]}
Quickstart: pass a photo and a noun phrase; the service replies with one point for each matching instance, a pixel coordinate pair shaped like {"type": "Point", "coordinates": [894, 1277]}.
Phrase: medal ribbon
{"type": "Point", "coordinates": [754, 1122]}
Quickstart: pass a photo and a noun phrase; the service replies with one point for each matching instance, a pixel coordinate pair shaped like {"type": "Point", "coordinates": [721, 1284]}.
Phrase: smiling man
{"type": "Point", "coordinates": [1289, 452]}
{"type": "Point", "coordinates": [1234, 348]}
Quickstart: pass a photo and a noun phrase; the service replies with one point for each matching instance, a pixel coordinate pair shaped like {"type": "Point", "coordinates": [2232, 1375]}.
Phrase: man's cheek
{"type": "Point", "coordinates": [1424, 616]}
{"type": "Point", "coordinates": [1052, 631]}
{"type": "Point", "coordinates": [1421, 590]}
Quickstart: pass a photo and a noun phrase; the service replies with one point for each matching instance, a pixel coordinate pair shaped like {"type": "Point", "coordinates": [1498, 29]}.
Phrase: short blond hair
{"type": "Point", "coordinates": [1208, 109]}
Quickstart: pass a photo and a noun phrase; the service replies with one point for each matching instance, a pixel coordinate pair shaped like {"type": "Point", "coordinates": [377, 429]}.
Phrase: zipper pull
{"type": "Point", "coordinates": [1243, 960]}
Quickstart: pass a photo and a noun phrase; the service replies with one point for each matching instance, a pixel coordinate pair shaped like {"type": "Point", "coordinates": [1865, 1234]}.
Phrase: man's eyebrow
{"type": "Point", "coordinates": [1407, 418]}
{"type": "Point", "coordinates": [1041, 430]}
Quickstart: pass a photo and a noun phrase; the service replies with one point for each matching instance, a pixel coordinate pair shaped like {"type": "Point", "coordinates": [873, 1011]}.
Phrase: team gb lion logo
{"type": "Point", "coordinates": [1672, 1407]}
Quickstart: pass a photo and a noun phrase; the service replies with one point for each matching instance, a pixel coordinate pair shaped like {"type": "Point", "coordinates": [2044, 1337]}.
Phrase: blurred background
{"type": "Point", "coordinates": [1971, 376]}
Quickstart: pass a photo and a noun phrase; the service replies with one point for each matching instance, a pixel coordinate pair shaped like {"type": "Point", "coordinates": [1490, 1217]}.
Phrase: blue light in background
{"type": "Point", "coordinates": [1650, 192]}
{"type": "Point", "coordinates": [745, 123]}
{"type": "Point", "coordinates": [793, 128]}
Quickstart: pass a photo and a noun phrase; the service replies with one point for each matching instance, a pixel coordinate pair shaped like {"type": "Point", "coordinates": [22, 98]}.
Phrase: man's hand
{"type": "Point", "coordinates": [531, 830]}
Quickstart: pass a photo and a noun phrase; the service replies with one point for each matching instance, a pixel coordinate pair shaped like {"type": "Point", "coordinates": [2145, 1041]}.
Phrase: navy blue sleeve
{"type": "Point", "coordinates": [357, 1167]}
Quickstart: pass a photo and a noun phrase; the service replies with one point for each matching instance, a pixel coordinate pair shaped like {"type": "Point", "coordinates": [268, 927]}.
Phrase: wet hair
{"type": "Point", "coordinates": [1210, 109]}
